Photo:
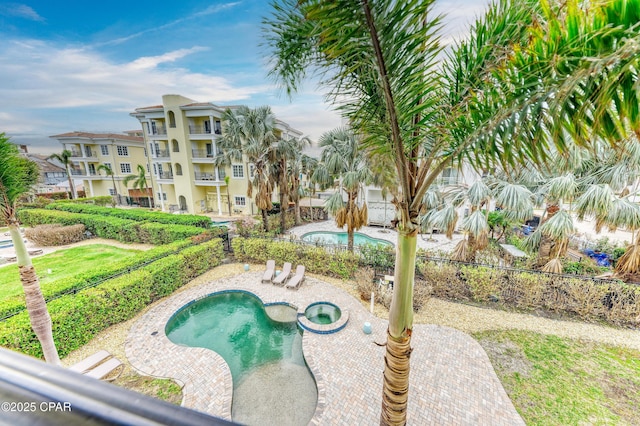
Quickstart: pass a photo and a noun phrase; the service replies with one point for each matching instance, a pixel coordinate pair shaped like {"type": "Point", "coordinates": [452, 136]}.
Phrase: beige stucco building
{"type": "Point", "coordinates": [121, 152]}
{"type": "Point", "coordinates": [181, 138]}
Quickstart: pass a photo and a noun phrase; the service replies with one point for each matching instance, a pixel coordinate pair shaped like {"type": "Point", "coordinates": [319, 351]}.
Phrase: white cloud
{"type": "Point", "coordinates": [20, 11]}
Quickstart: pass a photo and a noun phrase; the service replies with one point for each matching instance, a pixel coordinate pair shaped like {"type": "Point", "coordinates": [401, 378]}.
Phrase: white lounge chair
{"type": "Point", "coordinates": [270, 271]}
{"type": "Point", "coordinates": [282, 277]}
{"type": "Point", "coordinates": [297, 279]}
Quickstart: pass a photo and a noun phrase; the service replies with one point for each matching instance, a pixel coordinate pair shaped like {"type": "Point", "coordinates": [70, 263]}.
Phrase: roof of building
{"type": "Point", "coordinates": [44, 165]}
{"type": "Point", "coordinates": [87, 135]}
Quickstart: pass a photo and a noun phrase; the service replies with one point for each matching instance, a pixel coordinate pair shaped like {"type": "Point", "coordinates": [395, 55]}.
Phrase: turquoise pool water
{"type": "Point", "coordinates": [328, 237]}
{"type": "Point", "coordinates": [270, 376]}
{"type": "Point", "coordinates": [323, 313]}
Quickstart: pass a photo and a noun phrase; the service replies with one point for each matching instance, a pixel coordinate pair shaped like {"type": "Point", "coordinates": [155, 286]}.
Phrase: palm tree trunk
{"type": "Point", "coordinates": [284, 200]}
{"type": "Point", "coordinates": [265, 222]}
{"type": "Point", "coordinates": [546, 249]}
{"type": "Point", "coordinates": [350, 233]}
{"type": "Point", "coordinates": [395, 391]}
{"type": "Point", "coordinates": [298, 217]}
{"type": "Point", "coordinates": [36, 305]}
{"type": "Point", "coordinates": [71, 186]}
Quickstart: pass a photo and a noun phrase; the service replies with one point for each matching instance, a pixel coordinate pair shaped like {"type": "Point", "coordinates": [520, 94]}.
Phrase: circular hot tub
{"type": "Point", "coordinates": [322, 313]}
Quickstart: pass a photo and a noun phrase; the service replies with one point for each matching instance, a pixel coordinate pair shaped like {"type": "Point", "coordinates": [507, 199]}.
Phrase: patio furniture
{"type": "Point", "coordinates": [282, 277]}
{"type": "Point", "coordinates": [270, 271]}
{"type": "Point", "coordinates": [98, 365]}
{"type": "Point", "coordinates": [297, 279]}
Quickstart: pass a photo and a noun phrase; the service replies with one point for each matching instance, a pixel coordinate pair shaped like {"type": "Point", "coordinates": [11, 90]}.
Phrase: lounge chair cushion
{"type": "Point", "coordinates": [282, 277]}
{"type": "Point", "coordinates": [297, 279]}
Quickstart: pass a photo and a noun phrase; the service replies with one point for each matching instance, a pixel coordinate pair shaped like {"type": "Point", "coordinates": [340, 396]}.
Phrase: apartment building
{"type": "Point", "coordinates": [181, 137]}
{"type": "Point", "coordinates": [121, 152]}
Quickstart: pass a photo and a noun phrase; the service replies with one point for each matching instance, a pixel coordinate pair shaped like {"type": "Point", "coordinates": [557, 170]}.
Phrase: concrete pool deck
{"type": "Point", "coordinates": [452, 380]}
{"type": "Point", "coordinates": [435, 242]}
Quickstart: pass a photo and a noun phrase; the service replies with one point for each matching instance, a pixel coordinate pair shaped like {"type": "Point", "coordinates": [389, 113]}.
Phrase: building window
{"type": "Point", "coordinates": [155, 169]}
{"type": "Point", "coordinates": [163, 195]}
{"type": "Point", "coordinates": [145, 152]}
{"type": "Point", "coordinates": [148, 171]}
{"type": "Point", "coordinates": [178, 169]}
{"type": "Point", "coordinates": [218, 127]}
{"type": "Point", "coordinates": [123, 151]}
{"type": "Point", "coordinates": [240, 201]}
{"type": "Point", "coordinates": [252, 170]}
{"type": "Point", "coordinates": [176, 147]}
{"type": "Point", "coordinates": [108, 165]}
{"type": "Point", "coordinates": [125, 168]}
{"type": "Point", "coordinates": [237, 171]}
{"type": "Point", "coordinates": [112, 191]}
{"type": "Point", "coordinates": [104, 149]}
{"type": "Point", "coordinates": [92, 169]}
{"type": "Point", "coordinates": [172, 119]}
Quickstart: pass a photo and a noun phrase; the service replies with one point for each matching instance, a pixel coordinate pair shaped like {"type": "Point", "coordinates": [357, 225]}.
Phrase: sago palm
{"type": "Point", "coordinates": [17, 175]}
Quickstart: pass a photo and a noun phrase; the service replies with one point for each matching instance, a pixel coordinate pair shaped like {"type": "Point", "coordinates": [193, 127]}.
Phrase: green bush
{"type": "Point", "coordinates": [483, 282]}
{"type": "Point", "coordinates": [78, 318]}
{"type": "Point", "coordinates": [113, 228]}
{"type": "Point", "coordinates": [316, 259]}
{"type": "Point", "coordinates": [138, 215]}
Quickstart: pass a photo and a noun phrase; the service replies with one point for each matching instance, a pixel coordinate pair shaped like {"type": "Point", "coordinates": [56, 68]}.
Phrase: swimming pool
{"type": "Point", "coordinates": [328, 237]}
{"type": "Point", "coordinates": [264, 355]}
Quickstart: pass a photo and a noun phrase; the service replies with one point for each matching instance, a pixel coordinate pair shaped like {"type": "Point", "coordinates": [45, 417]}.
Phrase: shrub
{"type": "Point", "coordinates": [484, 283]}
{"type": "Point", "coordinates": [158, 233]}
{"type": "Point", "coordinates": [138, 215]}
{"type": "Point", "coordinates": [421, 294]}
{"type": "Point", "coordinates": [77, 318]}
{"type": "Point", "coordinates": [364, 278]}
{"type": "Point", "coordinates": [378, 256]}
{"type": "Point", "coordinates": [444, 281]}
{"type": "Point", "coordinates": [316, 260]}
{"type": "Point", "coordinates": [55, 234]}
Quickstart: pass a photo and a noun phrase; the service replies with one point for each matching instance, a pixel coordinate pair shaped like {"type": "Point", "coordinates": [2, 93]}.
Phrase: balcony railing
{"type": "Point", "coordinates": [205, 176]}
{"type": "Point", "coordinates": [199, 130]}
{"type": "Point", "coordinates": [77, 172]}
{"type": "Point", "coordinates": [166, 175]}
{"type": "Point", "coordinates": [201, 153]}
{"type": "Point", "coordinates": [162, 153]}
{"type": "Point", "coordinates": [159, 130]}
{"type": "Point", "coordinates": [81, 154]}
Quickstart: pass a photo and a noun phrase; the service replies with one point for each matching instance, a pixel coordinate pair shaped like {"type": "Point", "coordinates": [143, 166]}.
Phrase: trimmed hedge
{"type": "Point", "coordinates": [316, 260]}
{"type": "Point", "coordinates": [56, 288]}
{"type": "Point", "coordinates": [113, 228]}
{"type": "Point", "coordinates": [78, 318]}
{"type": "Point", "coordinates": [134, 214]}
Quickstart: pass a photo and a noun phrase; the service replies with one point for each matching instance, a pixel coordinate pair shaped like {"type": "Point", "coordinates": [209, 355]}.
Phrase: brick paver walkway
{"type": "Point", "coordinates": [452, 381]}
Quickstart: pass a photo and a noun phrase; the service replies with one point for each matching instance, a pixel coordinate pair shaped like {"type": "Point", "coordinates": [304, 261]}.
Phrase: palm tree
{"type": "Point", "coordinates": [298, 165]}
{"type": "Point", "coordinates": [489, 102]}
{"type": "Point", "coordinates": [251, 132]}
{"type": "Point", "coordinates": [109, 172]}
{"type": "Point", "coordinates": [343, 161]}
{"type": "Point", "coordinates": [226, 182]}
{"type": "Point", "coordinates": [139, 182]}
{"type": "Point", "coordinates": [65, 159]}
{"type": "Point", "coordinates": [17, 176]}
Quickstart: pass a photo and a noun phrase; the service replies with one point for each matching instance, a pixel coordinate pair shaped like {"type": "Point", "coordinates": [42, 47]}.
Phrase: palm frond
{"type": "Point", "coordinates": [560, 226]}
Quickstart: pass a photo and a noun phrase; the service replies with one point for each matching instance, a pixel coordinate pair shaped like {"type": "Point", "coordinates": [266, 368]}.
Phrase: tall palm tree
{"type": "Point", "coordinates": [489, 102]}
{"type": "Point", "coordinates": [17, 176]}
{"type": "Point", "coordinates": [343, 161]}
{"type": "Point", "coordinates": [109, 172]}
{"type": "Point", "coordinates": [139, 182]}
{"type": "Point", "coordinates": [298, 165]}
{"type": "Point", "coordinates": [251, 132]}
{"type": "Point", "coordinates": [65, 159]}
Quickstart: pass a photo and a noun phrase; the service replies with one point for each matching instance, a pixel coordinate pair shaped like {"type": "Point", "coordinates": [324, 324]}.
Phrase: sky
{"type": "Point", "coordinates": [84, 66]}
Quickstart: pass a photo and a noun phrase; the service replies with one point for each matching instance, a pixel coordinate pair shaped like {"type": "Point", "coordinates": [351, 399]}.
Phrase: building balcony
{"type": "Point", "coordinates": [201, 153]}
{"type": "Point", "coordinates": [158, 131]}
{"type": "Point", "coordinates": [165, 175]}
{"type": "Point", "coordinates": [204, 130]}
{"type": "Point", "coordinates": [85, 154]}
{"type": "Point", "coordinates": [161, 153]}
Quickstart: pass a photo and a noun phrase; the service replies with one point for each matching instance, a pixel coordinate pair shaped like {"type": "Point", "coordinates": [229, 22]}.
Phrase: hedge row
{"type": "Point", "coordinates": [55, 288]}
{"type": "Point", "coordinates": [114, 228]}
{"type": "Point", "coordinates": [613, 301]}
{"type": "Point", "coordinates": [134, 214]}
{"type": "Point", "coordinates": [317, 260]}
{"type": "Point", "coordinates": [78, 318]}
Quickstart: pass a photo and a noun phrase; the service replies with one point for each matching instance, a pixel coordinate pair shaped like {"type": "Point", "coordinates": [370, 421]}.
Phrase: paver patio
{"type": "Point", "coordinates": [452, 381]}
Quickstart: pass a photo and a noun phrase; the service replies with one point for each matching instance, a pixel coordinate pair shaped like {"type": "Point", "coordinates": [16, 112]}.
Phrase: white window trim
{"type": "Point", "coordinates": [233, 174]}
{"type": "Point", "coordinates": [125, 148]}
{"type": "Point", "coordinates": [236, 198]}
{"type": "Point", "coordinates": [122, 168]}
{"type": "Point", "coordinates": [104, 148]}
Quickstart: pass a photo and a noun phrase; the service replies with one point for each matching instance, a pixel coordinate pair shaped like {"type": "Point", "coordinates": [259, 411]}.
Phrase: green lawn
{"type": "Point", "coordinates": [63, 263]}
{"type": "Point", "coordinates": [555, 381]}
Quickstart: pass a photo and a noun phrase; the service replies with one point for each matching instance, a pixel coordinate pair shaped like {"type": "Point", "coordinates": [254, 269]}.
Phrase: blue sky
{"type": "Point", "coordinates": [77, 65]}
